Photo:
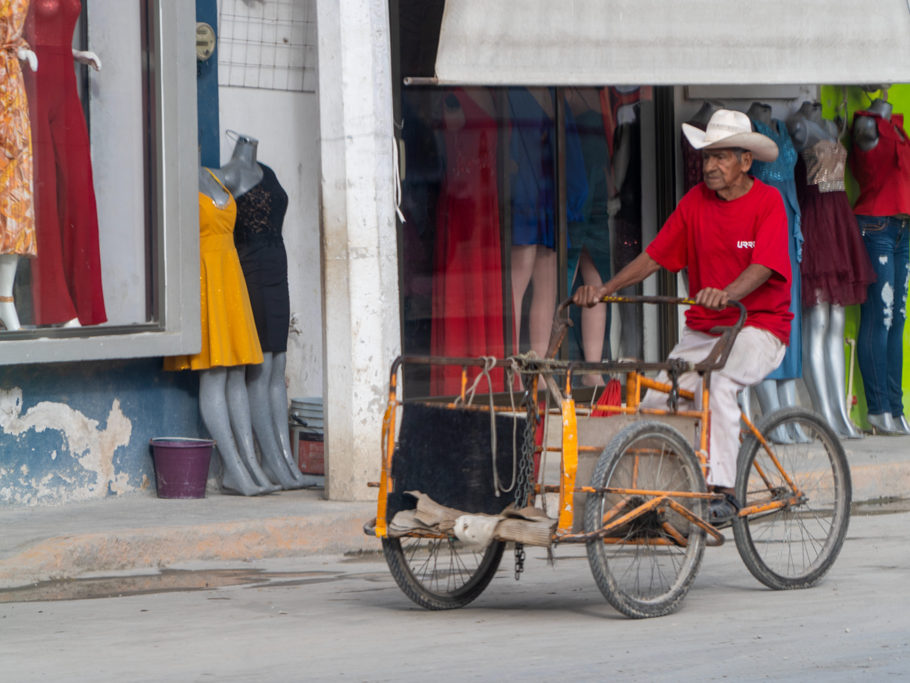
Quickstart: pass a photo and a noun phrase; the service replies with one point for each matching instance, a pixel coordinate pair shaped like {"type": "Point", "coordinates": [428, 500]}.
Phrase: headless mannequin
{"type": "Point", "coordinates": [593, 319]}
{"type": "Point", "coordinates": [703, 115]}
{"type": "Point", "coordinates": [224, 405]}
{"type": "Point", "coordinates": [823, 323]}
{"type": "Point", "coordinates": [9, 262]}
{"type": "Point", "coordinates": [535, 264]}
{"type": "Point", "coordinates": [88, 58]}
{"type": "Point", "coordinates": [264, 389]}
{"type": "Point", "coordinates": [773, 394]}
{"type": "Point", "coordinates": [865, 136]}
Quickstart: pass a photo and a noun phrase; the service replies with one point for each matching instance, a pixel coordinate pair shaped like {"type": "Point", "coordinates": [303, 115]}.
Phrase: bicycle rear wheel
{"type": "Point", "coordinates": [441, 573]}
{"type": "Point", "coordinates": [645, 567]}
{"type": "Point", "coordinates": [794, 545]}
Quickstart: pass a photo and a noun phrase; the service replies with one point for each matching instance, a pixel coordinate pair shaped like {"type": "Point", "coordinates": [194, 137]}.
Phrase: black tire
{"type": "Point", "coordinates": [641, 571]}
{"type": "Point", "coordinates": [794, 546]}
{"type": "Point", "coordinates": [441, 573]}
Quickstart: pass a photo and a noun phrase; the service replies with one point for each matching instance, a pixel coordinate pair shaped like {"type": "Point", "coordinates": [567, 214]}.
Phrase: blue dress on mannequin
{"type": "Point", "coordinates": [780, 174]}
{"type": "Point", "coordinates": [533, 184]}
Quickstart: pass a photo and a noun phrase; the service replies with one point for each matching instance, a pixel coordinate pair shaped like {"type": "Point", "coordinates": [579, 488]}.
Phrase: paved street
{"type": "Point", "coordinates": [333, 618]}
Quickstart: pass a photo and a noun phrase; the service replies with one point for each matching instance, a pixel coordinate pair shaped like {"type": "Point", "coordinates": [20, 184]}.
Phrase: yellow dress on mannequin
{"type": "Point", "coordinates": [228, 329]}
{"type": "Point", "coordinates": [17, 215]}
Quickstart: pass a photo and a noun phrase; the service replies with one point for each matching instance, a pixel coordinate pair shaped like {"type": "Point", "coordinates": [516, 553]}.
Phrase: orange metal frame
{"type": "Point", "coordinates": [569, 449]}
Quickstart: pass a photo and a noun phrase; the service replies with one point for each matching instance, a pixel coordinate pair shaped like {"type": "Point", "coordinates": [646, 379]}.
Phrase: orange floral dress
{"type": "Point", "coordinates": [17, 211]}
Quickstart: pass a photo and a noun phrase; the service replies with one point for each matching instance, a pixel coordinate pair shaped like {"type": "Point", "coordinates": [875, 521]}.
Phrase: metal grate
{"type": "Point", "coordinates": [267, 44]}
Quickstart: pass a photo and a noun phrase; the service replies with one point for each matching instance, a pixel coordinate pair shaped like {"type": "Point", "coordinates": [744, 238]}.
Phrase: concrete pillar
{"type": "Point", "coordinates": [361, 333]}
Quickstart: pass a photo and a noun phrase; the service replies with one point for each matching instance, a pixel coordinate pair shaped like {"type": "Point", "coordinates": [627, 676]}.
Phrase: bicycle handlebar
{"type": "Point", "coordinates": [715, 360]}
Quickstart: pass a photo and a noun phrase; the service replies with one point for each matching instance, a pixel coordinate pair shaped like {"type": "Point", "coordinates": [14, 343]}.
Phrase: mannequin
{"type": "Point", "coordinates": [835, 269]}
{"type": "Point", "coordinates": [880, 161]}
{"type": "Point", "coordinates": [778, 390]}
{"type": "Point", "coordinates": [261, 203]}
{"type": "Point", "coordinates": [66, 275]}
{"type": "Point", "coordinates": [229, 343]}
{"type": "Point", "coordinates": [589, 238]}
{"type": "Point", "coordinates": [17, 213]}
{"type": "Point", "coordinates": [533, 254]}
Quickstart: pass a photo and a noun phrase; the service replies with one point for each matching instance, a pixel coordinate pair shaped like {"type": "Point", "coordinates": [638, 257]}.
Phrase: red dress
{"type": "Point", "coordinates": [66, 276]}
{"type": "Point", "coordinates": [467, 279]}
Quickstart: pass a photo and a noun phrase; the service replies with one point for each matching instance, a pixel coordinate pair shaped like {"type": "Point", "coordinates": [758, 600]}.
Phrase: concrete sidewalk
{"type": "Point", "coordinates": [141, 532]}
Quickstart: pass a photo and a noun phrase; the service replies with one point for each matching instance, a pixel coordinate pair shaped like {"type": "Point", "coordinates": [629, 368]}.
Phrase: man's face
{"type": "Point", "coordinates": [722, 169]}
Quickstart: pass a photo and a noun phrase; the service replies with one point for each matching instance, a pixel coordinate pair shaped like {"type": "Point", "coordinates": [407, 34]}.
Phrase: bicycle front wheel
{"type": "Point", "coordinates": [795, 540]}
{"type": "Point", "coordinates": [441, 573]}
{"type": "Point", "coordinates": [644, 568]}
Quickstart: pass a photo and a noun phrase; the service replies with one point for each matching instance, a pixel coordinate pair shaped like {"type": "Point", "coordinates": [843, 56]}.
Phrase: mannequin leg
{"type": "Point", "coordinates": [816, 322]}
{"type": "Point", "coordinates": [242, 426]}
{"type": "Point", "coordinates": [876, 318]}
{"type": "Point", "coordinates": [543, 302]}
{"type": "Point", "coordinates": [522, 266]}
{"type": "Point", "coordinates": [214, 410]}
{"type": "Point", "coordinates": [786, 393]}
{"type": "Point", "coordinates": [278, 399]}
{"type": "Point", "coordinates": [896, 333]}
{"type": "Point", "coordinates": [837, 373]}
{"type": "Point", "coordinates": [769, 400]}
{"type": "Point", "coordinates": [8, 316]}
{"type": "Point", "coordinates": [273, 462]}
{"type": "Point", "coordinates": [593, 320]}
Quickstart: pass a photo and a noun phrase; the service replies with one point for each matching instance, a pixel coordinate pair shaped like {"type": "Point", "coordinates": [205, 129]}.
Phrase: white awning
{"type": "Point", "coordinates": [674, 42]}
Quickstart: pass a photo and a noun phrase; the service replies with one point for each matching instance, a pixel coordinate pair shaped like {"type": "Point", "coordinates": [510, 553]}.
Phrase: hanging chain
{"type": "Point", "coordinates": [525, 486]}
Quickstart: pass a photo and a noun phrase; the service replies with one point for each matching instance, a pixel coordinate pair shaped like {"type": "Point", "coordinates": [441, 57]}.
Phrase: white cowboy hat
{"type": "Point", "coordinates": [728, 128]}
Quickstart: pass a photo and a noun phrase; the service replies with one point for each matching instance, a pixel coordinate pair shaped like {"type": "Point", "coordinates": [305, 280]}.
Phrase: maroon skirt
{"type": "Point", "coordinates": [835, 266]}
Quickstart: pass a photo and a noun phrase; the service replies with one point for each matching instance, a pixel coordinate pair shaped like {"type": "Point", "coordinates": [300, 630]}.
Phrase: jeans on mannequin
{"type": "Point", "coordinates": [883, 314]}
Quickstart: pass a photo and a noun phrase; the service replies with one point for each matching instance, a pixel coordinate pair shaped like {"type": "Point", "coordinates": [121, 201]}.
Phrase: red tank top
{"type": "Point", "coordinates": [883, 172]}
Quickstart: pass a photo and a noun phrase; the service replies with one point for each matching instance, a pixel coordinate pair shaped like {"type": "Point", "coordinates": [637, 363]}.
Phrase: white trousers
{"type": "Point", "coordinates": [755, 353]}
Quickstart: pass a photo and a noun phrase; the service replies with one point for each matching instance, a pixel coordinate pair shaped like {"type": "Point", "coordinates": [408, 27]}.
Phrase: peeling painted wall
{"type": "Point", "coordinates": [72, 432]}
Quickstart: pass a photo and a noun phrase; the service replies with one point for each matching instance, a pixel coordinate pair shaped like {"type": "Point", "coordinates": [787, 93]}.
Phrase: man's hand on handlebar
{"type": "Point", "coordinates": [709, 297]}
{"type": "Point", "coordinates": [589, 295]}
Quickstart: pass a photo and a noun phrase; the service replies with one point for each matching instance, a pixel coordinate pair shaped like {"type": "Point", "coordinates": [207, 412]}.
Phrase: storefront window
{"type": "Point", "coordinates": [512, 198]}
{"type": "Point", "coordinates": [86, 215]}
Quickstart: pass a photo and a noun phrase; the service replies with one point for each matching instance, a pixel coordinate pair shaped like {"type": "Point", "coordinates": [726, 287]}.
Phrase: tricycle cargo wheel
{"type": "Point", "coordinates": [441, 573]}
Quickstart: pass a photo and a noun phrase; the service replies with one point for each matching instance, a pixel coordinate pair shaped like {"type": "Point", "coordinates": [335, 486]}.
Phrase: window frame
{"type": "Point", "coordinates": [173, 210]}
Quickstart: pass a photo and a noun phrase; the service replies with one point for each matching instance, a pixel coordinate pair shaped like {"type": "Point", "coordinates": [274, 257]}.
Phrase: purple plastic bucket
{"type": "Point", "coordinates": [181, 466]}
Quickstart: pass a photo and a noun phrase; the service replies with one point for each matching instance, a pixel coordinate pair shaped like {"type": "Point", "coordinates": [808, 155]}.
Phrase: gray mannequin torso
{"type": "Point", "coordinates": [807, 127]}
{"type": "Point", "coordinates": [211, 189]}
{"type": "Point", "coordinates": [241, 173]}
{"type": "Point", "coordinates": [759, 111]}
{"type": "Point", "coordinates": [703, 115]}
{"type": "Point", "coordinates": [865, 128]}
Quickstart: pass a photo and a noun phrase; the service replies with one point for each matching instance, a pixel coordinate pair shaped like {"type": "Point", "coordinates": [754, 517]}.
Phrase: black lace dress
{"type": "Point", "coordinates": [257, 236]}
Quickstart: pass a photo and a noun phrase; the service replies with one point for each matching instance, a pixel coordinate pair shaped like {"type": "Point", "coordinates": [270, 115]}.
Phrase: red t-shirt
{"type": "Point", "coordinates": [717, 240]}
